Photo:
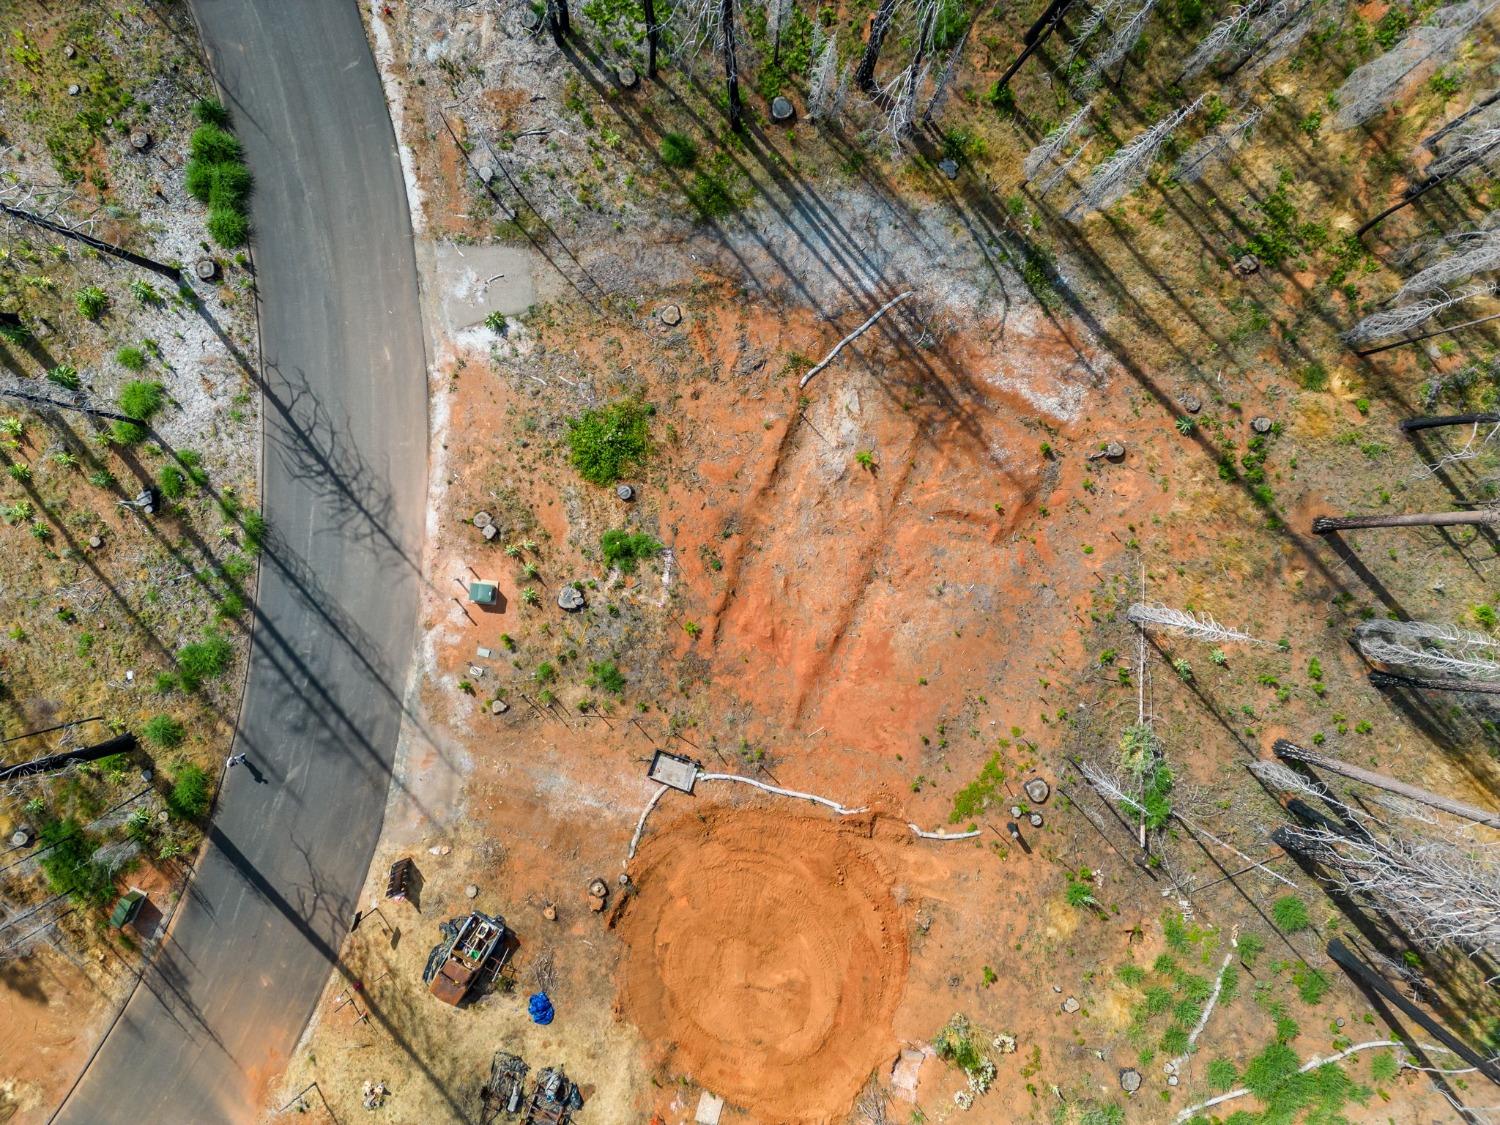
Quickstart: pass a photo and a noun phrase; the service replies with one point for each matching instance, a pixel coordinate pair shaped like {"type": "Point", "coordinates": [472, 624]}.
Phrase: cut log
{"type": "Point", "coordinates": [1292, 752]}
{"type": "Point", "coordinates": [1324, 524]}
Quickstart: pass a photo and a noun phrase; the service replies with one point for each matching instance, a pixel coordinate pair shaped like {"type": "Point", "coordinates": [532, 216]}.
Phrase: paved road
{"type": "Point", "coordinates": [345, 481]}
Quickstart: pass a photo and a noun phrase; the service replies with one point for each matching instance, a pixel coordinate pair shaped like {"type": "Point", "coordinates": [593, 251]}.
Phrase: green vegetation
{"type": "Point", "coordinates": [131, 358]}
{"type": "Point", "coordinates": [170, 480]}
{"type": "Point", "coordinates": [626, 549]}
{"type": "Point", "coordinates": [604, 443]}
{"type": "Point", "coordinates": [678, 151]}
{"type": "Point", "coordinates": [163, 732]}
{"type": "Point", "coordinates": [91, 302]}
{"type": "Point", "coordinates": [606, 676]}
{"type": "Point", "coordinates": [207, 659]}
{"type": "Point", "coordinates": [976, 796]}
{"type": "Point", "coordinates": [64, 375]}
{"type": "Point", "coordinates": [67, 862]}
{"type": "Point", "coordinates": [1290, 914]}
{"type": "Point", "coordinates": [189, 797]}
{"type": "Point", "coordinates": [216, 175]}
{"type": "Point", "coordinates": [1222, 1074]}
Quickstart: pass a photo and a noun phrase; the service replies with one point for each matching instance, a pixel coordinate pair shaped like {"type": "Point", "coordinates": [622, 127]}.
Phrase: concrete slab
{"type": "Point", "coordinates": [669, 769]}
{"type": "Point", "coordinates": [710, 1106]}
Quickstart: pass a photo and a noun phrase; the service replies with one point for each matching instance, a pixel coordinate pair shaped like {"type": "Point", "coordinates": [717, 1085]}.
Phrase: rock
{"type": "Point", "coordinates": [483, 519]}
{"type": "Point", "coordinates": [627, 77]}
{"type": "Point", "coordinates": [549, 912]}
{"type": "Point", "coordinates": [498, 707]}
{"type": "Point", "coordinates": [570, 598]}
{"type": "Point", "coordinates": [74, 89]}
{"type": "Point", "coordinates": [1057, 989]}
{"type": "Point", "coordinates": [206, 269]}
{"type": "Point", "coordinates": [1114, 451]}
{"type": "Point", "coordinates": [1130, 1080]}
{"type": "Point", "coordinates": [782, 110]}
{"type": "Point", "coordinates": [1071, 1005]}
{"type": "Point", "coordinates": [1192, 403]}
{"type": "Point", "coordinates": [140, 140]}
{"type": "Point", "coordinates": [70, 51]}
{"type": "Point", "coordinates": [485, 172]}
{"type": "Point", "coordinates": [1037, 790]}
{"type": "Point", "coordinates": [439, 849]}
{"type": "Point", "coordinates": [471, 891]}
{"type": "Point", "coordinates": [22, 837]}
{"type": "Point", "coordinates": [1035, 819]}
{"type": "Point", "coordinates": [1172, 1080]}
{"type": "Point", "coordinates": [596, 903]}
{"type": "Point", "coordinates": [625, 492]}
{"type": "Point", "coordinates": [671, 316]}
{"type": "Point", "coordinates": [489, 531]}
{"type": "Point", "coordinates": [948, 167]}
{"type": "Point", "coordinates": [1261, 425]}
{"type": "Point", "coordinates": [1247, 265]}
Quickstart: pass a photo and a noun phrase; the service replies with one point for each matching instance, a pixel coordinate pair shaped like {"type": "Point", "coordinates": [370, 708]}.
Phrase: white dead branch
{"type": "Point", "coordinates": [1442, 650]}
{"type": "Point", "coordinates": [1374, 86]}
{"type": "Point", "coordinates": [1200, 627]}
{"type": "Point", "coordinates": [1118, 46]}
{"type": "Point", "coordinates": [1214, 148]}
{"type": "Point", "coordinates": [1213, 1000]}
{"type": "Point", "coordinates": [1475, 252]}
{"type": "Point", "coordinates": [1405, 318]}
{"type": "Point", "coordinates": [1472, 146]}
{"type": "Point", "coordinates": [1127, 168]}
{"type": "Point", "coordinates": [827, 85]}
{"type": "Point", "coordinates": [1088, 27]}
{"type": "Point", "coordinates": [901, 96]}
{"type": "Point", "coordinates": [1052, 145]}
{"type": "Point", "coordinates": [1232, 30]}
{"type": "Point", "coordinates": [1310, 1064]}
{"type": "Point", "coordinates": [856, 334]}
{"type": "Point", "coordinates": [113, 858]}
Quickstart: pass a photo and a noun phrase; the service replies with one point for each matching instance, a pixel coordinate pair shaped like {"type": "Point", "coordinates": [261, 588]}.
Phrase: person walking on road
{"type": "Point", "coordinates": [236, 759]}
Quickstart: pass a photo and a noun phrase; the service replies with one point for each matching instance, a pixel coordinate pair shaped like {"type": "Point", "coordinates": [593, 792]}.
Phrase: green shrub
{"type": "Point", "coordinates": [545, 673]}
{"type": "Point", "coordinates": [91, 302]}
{"type": "Point", "coordinates": [189, 795]}
{"type": "Point", "coordinates": [605, 442]}
{"type": "Point", "coordinates": [711, 195]}
{"type": "Point", "coordinates": [1222, 1074]}
{"type": "Point", "coordinates": [145, 293]}
{"type": "Point", "coordinates": [1290, 914]}
{"type": "Point", "coordinates": [678, 151]}
{"type": "Point", "coordinates": [131, 358]}
{"type": "Point", "coordinates": [64, 375]}
{"type": "Point", "coordinates": [228, 227]}
{"type": "Point", "coordinates": [606, 676]}
{"type": "Point", "coordinates": [211, 111]}
{"type": "Point", "coordinates": [1174, 1041]}
{"type": "Point", "coordinates": [17, 334]}
{"type": "Point", "coordinates": [214, 144]}
{"type": "Point", "coordinates": [1312, 984]}
{"type": "Point", "coordinates": [163, 731]}
{"type": "Point", "coordinates": [1270, 1069]}
{"type": "Point", "coordinates": [254, 525]}
{"type": "Point", "coordinates": [203, 660]}
{"type": "Point", "coordinates": [140, 399]}
{"type": "Point", "coordinates": [198, 178]}
{"type": "Point", "coordinates": [171, 482]}
{"type": "Point", "coordinates": [229, 186]}
{"type": "Point", "coordinates": [192, 464]}
{"type": "Point", "coordinates": [69, 867]}
{"type": "Point", "coordinates": [1131, 974]}
{"type": "Point", "coordinates": [128, 433]}
{"type": "Point", "coordinates": [625, 549]}
{"type": "Point", "coordinates": [1251, 946]}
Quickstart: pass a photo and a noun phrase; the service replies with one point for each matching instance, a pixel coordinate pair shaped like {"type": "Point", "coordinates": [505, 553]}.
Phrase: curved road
{"type": "Point", "coordinates": [220, 1010]}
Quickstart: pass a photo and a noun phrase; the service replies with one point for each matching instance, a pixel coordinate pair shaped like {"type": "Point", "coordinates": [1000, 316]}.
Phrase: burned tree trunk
{"type": "Point", "coordinates": [1325, 524]}
{"type": "Point", "coordinates": [1035, 36]}
{"type": "Point", "coordinates": [864, 75]}
{"type": "Point", "coordinates": [1432, 422]}
{"type": "Point", "coordinates": [557, 20]}
{"type": "Point", "coordinates": [1290, 751]}
{"type": "Point", "coordinates": [731, 65]}
{"type": "Point", "coordinates": [653, 36]}
{"type": "Point", "coordinates": [1433, 683]}
{"type": "Point", "coordinates": [1414, 192]}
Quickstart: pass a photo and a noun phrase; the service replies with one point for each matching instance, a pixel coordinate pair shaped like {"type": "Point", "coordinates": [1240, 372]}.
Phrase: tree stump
{"type": "Point", "coordinates": [782, 110]}
{"type": "Point", "coordinates": [1192, 403]}
{"type": "Point", "coordinates": [1247, 265]}
{"type": "Point", "coordinates": [1130, 1080]}
{"type": "Point", "coordinates": [1261, 425]}
{"type": "Point", "coordinates": [1035, 819]}
{"type": "Point", "coordinates": [498, 707]}
{"type": "Point", "coordinates": [1114, 451]}
{"type": "Point", "coordinates": [140, 140]}
{"type": "Point", "coordinates": [95, 542]}
{"type": "Point", "coordinates": [625, 492]}
{"type": "Point", "coordinates": [627, 78]}
{"type": "Point", "coordinates": [570, 598]}
{"type": "Point", "coordinates": [671, 316]}
{"type": "Point", "coordinates": [471, 891]}
{"type": "Point", "coordinates": [489, 531]}
{"type": "Point", "coordinates": [483, 519]}
{"type": "Point", "coordinates": [948, 167]}
{"type": "Point", "coordinates": [1037, 790]}
{"type": "Point", "coordinates": [206, 269]}
{"type": "Point", "coordinates": [22, 837]}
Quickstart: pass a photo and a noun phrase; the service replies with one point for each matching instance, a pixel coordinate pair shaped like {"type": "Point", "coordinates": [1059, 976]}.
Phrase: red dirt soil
{"type": "Point", "coordinates": [766, 957]}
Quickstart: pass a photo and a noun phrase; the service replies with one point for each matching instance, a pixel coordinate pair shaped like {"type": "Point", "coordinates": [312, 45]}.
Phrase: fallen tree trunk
{"type": "Point", "coordinates": [1324, 524]}
{"type": "Point", "coordinates": [97, 243]}
{"type": "Point", "coordinates": [856, 334]}
{"type": "Point", "coordinates": [1432, 422]}
{"type": "Point", "coordinates": [117, 745]}
{"type": "Point", "coordinates": [1291, 751]}
{"type": "Point", "coordinates": [1432, 683]}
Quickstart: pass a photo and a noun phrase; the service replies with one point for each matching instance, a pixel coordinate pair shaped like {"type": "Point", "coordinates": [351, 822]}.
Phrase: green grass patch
{"type": "Point", "coordinates": [626, 549]}
{"type": "Point", "coordinates": [1290, 914]}
{"type": "Point", "coordinates": [605, 442]}
{"type": "Point", "coordinates": [207, 659]}
{"type": "Point", "coordinates": [606, 676]}
{"type": "Point", "coordinates": [189, 797]}
{"type": "Point", "coordinates": [163, 732]}
{"type": "Point", "coordinates": [677, 150]}
{"type": "Point", "coordinates": [976, 796]}
{"type": "Point", "coordinates": [68, 864]}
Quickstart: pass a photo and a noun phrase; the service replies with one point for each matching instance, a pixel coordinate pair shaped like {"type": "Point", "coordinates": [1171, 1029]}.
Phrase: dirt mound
{"type": "Point", "coordinates": [765, 957]}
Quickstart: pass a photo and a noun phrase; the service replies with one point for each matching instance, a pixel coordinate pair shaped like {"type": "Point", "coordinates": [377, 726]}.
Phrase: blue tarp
{"type": "Point", "coordinates": [540, 1008]}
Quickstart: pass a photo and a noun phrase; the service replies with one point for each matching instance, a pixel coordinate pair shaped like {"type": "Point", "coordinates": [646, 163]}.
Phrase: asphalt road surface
{"type": "Point", "coordinates": [220, 1011]}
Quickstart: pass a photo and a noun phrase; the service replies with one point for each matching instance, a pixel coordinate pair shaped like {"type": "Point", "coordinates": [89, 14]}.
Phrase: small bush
{"type": "Point", "coordinates": [163, 731]}
{"type": "Point", "coordinates": [1290, 914]}
{"type": "Point", "coordinates": [189, 795]}
{"type": "Point", "coordinates": [624, 549]}
{"type": "Point", "coordinates": [1312, 984]}
{"type": "Point", "coordinates": [131, 358]}
{"type": "Point", "coordinates": [678, 151]}
{"type": "Point", "coordinates": [1174, 1041]}
{"type": "Point", "coordinates": [203, 660]}
{"type": "Point", "coordinates": [1251, 946]}
{"type": "Point", "coordinates": [1222, 1074]}
{"type": "Point", "coordinates": [198, 178]}
{"type": "Point", "coordinates": [17, 334]}
{"type": "Point", "coordinates": [69, 867]}
{"type": "Point", "coordinates": [140, 398]}
{"type": "Point", "coordinates": [214, 144]}
{"type": "Point", "coordinates": [605, 442]}
{"type": "Point", "coordinates": [91, 302]}
{"type": "Point", "coordinates": [64, 375]}
{"type": "Point", "coordinates": [606, 676]}
{"type": "Point", "coordinates": [711, 196]}
{"type": "Point", "coordinates": [545, 673]}
{"type": "Point", "coordinates": [145, 293]}
{"type": "Point", "coordinates": [171, 482]}
{"type": "Point", "coordinates": [1131, 974]}
{"type": "Point", "coordinates": [128, 433]}
{"type": "Point", "coordinates": [211, 111]}
{"type": "Point", "coordinates": [229, 186]}
{"type": "Point", "coordinates": [228, 227]}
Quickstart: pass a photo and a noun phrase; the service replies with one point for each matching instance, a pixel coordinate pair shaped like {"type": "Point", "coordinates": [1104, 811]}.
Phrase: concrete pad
{"type": "Point", "coordinates": [469, 290]}
{"type": "Point", "coordinates": [710, 1106]}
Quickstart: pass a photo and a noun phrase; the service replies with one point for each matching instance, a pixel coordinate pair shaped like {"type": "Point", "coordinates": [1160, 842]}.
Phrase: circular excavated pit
{"type": "Point", "coordinates": [765, 957]}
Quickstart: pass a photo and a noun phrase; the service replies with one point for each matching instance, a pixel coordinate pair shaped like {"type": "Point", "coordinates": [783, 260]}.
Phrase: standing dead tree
{"type": "Point", "coordinates": [653, 36]}
{"type": "Point", "coordinates": [1289, 751]}
{"type": "Point", "coordinates": [1127, 168]}
{"type": "Point", "coordinates": [1214, 148]}
{"type": "Point", "coordinates": [713, 21]}
{"type": "Point", "coordinates": [558, 20]}
{"type": "Point", "coordinates": [1200, 627]}
{"type": "Point", "coordinates": [1037, 34]}
{"type": "Point", "coordinates": [1116, 48]}
{"type": "Point", "coordinates": [1442, 650]}
{"type": "Point", "coordinates": [1324, 525]}
{"type": "Point", "coordinates": [944, 84]}
{"type": "Point", "coordinates": [1441, 885]}
{"type": "Point", "coordinates": [825, 94]}
{"type": "Point", "coordinates": [1372, 87]}
{"type": "Point", "coordinates": [864, 74]}
{"type": "Point", "coordinates": [900, 97]}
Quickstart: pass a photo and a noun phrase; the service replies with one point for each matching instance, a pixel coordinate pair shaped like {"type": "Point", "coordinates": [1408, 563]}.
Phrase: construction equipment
{"type": "Point", "coordinates": [469, 948]}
